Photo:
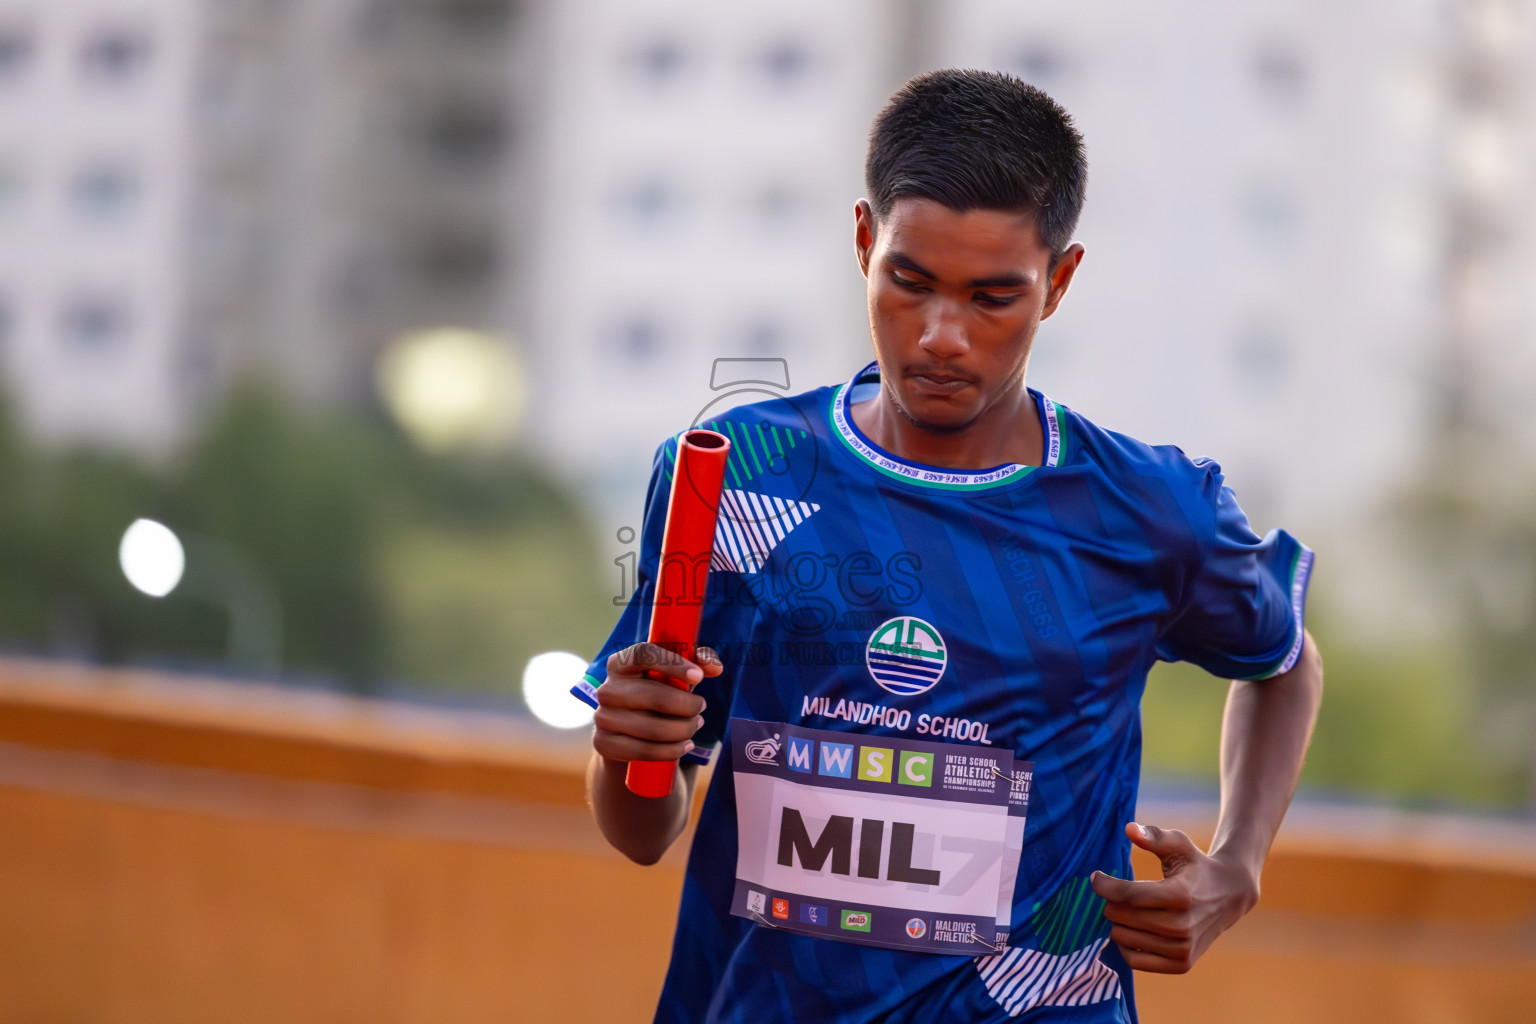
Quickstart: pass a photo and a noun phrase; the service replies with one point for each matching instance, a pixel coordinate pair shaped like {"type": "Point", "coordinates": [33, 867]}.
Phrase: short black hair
{"type": "Point", "coordinates": [980, 140]}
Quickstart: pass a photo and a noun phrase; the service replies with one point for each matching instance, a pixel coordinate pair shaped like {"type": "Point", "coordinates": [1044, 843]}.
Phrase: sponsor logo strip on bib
{"type": "Point", "coordinates": [879, 840]}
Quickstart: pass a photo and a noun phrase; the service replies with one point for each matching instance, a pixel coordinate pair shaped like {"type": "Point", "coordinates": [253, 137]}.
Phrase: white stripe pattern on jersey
{"type": "Point", "coordinates": [751, 525]}
{"type": "Point", "coordinates": [1022, 979]}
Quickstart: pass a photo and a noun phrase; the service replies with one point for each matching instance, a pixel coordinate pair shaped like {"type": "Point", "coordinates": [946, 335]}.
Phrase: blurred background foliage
{"type": "Point", "coordinates": [1398, 725]}
{"type": "Point", "coordinates": [390, 567]}
{"type": "Point", "coordinates": [1442, 715]}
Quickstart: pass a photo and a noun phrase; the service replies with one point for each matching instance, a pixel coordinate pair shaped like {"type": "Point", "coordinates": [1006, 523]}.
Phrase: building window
{"type": "Point", "coordinates": [455, 255]}
{"type": "Point", "coordinates": [477, 18]}
{"type": "Point", "coordinates": [465, 132]}
{"type": "Point", "coordinates": [1279, 74]}
{"type": "Point", "coordinates": [778, 205]}
{"type": "Point", "coordinates": [784, 64]}
{"type": "Point", "coordinates": [639, 340]}
{"type": "Point", "coordinates": [649, 203]}
{"type": "Point", "coordinates": [765, 337]}
{"type": "Point", "coordinates": [115, 55]}
{"type": "Point", "coordinates": [1039, 62]}
{"type": "Point", "coordinates": [105, 192]}
{"type": "Point", "coordinates": [1272, 214]}
{"type": "Point", "coordinates": [95, 325]}
{"type": "Point", "coordinates": [12, 186]}
{"type": "Point", "coordinates": [15, 51]}
{"type": "Point", "coordinates": [1261, 357]}
{"type": "Point", "coordinates": [657, 62]}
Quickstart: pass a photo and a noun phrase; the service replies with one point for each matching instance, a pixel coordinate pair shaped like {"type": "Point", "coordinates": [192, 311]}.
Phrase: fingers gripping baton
{"type": "Point", "coordinates": [687, 543]}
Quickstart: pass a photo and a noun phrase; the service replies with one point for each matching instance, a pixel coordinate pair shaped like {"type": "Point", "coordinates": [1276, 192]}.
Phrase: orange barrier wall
{"type": "Point", "coordinates": [173, 850]}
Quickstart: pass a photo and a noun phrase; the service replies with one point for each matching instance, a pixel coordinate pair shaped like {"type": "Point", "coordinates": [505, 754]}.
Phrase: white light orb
{"type": "Point", "coordinates": [454, 389]}
{"type": "Point", "coordinates": [547, 683]}
{"type": "Point", "coordinates": [152, 557]}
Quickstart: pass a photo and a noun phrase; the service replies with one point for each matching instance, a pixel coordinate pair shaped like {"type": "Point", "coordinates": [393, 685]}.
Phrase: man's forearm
{"type": "Point", "coordinates": [641, 828]}
{"type": "Point", "coordinates": [1264, 736]}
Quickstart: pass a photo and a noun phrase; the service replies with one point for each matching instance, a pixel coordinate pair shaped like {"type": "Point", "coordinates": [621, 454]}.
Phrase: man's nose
{"type": "Point", "coordinates": [944, 334]}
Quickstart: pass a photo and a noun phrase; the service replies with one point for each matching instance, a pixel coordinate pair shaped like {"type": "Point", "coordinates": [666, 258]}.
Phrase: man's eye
{"type": "Point", "coordinates": [996, 300]}
{"type": "Point", "coordinates": [908, 283]}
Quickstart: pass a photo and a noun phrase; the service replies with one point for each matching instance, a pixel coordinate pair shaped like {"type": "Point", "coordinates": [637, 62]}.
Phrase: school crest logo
{"type": "Point", "coordinates": [906, 655]}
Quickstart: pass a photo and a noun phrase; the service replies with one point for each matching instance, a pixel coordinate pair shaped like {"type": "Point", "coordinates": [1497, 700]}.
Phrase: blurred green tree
{"type": "Point", "coordinates": [60, 522]}
{"type": "Point", "coordinates": [385, 565]}
{"type": "Point", "coordinates": [294, 495]}
{"type": "Point", "coordinates": [486, 562]}
{"type": "Point", "coordinates": [1478, 533]}
{"type": "Point", "coordinates": [1398, 724]}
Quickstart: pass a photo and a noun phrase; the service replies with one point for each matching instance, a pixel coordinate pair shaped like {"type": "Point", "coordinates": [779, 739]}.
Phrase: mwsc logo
{"type": "Point", "coordinates": [906, 655]}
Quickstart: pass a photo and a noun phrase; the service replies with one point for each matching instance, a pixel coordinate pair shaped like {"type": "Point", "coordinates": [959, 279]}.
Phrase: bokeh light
{"type": "Point", "coordinates": [152, 557]}
{"type": "Point", "coordinates": [547, 683]}
{"type": "Point", "coordinates": [454, 389]}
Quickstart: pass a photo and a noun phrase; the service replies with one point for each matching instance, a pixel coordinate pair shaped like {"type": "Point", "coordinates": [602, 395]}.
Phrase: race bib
{"type": "Point", "coordinates": [884, 841]}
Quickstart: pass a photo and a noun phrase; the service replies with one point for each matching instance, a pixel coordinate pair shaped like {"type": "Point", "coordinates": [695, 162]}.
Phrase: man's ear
{"type": "Point", "coordinates": [863, 233]}
{"type": "Point", "coordinates": [1061, 277]}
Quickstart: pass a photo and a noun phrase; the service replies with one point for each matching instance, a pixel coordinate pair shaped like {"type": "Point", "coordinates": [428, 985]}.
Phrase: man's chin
{"type": "Point", "coordinates": [935, 414]}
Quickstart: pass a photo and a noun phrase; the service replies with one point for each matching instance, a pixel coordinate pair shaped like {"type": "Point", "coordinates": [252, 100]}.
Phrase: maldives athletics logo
{"type": "Point", "coordinates": [906, 655]}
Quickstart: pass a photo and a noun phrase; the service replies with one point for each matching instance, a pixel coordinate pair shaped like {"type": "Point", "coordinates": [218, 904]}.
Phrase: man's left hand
{"type": "Point", "coordinates": [1164, 926]}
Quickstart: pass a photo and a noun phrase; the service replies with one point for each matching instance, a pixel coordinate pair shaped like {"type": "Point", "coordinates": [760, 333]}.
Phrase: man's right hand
{"type": "Point", "coordinates": [641, 718]}
{"type": "Point", "coordinates": [644, 719]}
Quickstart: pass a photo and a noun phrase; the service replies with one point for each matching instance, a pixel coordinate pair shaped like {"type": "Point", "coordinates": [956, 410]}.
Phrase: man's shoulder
{"type": "Point", "coordinates": [1131, 461]}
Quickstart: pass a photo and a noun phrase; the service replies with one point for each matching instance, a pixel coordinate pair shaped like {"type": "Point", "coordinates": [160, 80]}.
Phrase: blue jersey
{"type": "Point", "coordinates": [937, 619]}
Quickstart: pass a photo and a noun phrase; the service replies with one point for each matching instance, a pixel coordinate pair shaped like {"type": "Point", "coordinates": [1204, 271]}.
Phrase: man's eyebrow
{"type": "Point", "coordinates": [906, 262]}
{"type": "Point", "coordinates": [1014, 279]}
{"type": "Point", "coordinates": [1011, 280]}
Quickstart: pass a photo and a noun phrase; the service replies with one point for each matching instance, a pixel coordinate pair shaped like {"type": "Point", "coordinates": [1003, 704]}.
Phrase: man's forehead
{"type": "Point", "coordinates": [977, 242]}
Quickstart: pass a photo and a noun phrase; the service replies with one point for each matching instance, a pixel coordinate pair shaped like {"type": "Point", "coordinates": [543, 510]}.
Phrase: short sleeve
{"type": "Point", "coordinates": [1241, 614]}
{"type": "Point", "coordinates": [726, 619]}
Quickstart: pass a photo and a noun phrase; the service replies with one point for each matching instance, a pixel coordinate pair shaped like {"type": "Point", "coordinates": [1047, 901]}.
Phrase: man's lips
{"type": "Point", "coordinates": [939, 383]}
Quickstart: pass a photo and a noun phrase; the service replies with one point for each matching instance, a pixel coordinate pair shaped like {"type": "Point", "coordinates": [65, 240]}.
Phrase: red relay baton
{"type": "Point", "coordinates": [687, 544]}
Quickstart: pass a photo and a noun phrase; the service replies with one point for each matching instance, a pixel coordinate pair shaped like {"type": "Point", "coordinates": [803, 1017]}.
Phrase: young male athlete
{"type": "Point", "coordinates": [934, 600]}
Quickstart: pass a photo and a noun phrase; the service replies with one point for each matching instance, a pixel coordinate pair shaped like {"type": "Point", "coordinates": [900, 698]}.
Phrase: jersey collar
{"type": "Point", "coordinates": [925, 475]}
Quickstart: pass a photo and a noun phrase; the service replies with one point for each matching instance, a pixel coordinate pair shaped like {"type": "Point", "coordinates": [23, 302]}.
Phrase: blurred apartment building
{"type": "Point", "coordinates": [1282, 197]}
{"type": "Point", "coordinates": [191, 190]}
{"type": "Point", "coordinates": [703, 161]}
{"type": "Point", "coordinates": [1277, 194]}
{"type": "Point", "coordinates": [94, 183]}
{"type": "Point", "coordinates": [1309, 225]}
{"type": "Point", "coordinates": [364, 172]}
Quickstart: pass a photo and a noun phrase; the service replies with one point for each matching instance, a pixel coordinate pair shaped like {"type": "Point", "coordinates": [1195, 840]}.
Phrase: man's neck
{"type": "Point", "coordinates": [1008, 431]}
